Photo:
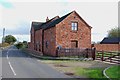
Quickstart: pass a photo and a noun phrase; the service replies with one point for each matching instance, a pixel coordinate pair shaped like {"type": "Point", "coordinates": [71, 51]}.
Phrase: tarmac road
{"type": "Point", "coordinates": [16, 64]}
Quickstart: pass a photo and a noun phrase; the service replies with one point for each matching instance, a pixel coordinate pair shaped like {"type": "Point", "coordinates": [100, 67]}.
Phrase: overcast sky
{"type": "Point", "coordinates": [16, 16]}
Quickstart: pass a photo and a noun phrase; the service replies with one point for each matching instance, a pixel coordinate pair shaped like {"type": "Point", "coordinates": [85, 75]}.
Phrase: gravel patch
{"type": "Point", "coordinates": [68, 67]}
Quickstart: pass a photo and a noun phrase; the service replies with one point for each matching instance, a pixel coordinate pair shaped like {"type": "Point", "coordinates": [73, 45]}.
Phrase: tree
{"type": "Point", "coordinates": [115, 32]}
{"type": "Point", "coordinates": [10, 39]}
{"type": "Point", "coordinates": [19, 45]}
{"type": "Point", "coordinates": [25, 42]}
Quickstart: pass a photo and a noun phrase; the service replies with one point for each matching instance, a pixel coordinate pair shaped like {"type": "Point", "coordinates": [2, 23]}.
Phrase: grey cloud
{"type": "Point", "coordinates": [21, 29]}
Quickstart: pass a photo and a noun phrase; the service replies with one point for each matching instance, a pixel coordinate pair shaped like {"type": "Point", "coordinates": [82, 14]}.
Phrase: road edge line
{"type": "Point", "coordinates": [104, 72]}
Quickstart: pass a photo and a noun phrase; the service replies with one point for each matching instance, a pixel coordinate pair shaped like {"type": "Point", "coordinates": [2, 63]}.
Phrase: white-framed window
{"type": "Point", "coordinates": [74, 26]}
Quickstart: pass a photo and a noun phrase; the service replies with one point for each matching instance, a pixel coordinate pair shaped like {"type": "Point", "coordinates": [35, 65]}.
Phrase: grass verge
{"type": "Point", "coordinates": [113, 72]}
{"type": "Point", "coordinates": [90, 73]}
{"type": "Point", "coordinates": [83, 69]}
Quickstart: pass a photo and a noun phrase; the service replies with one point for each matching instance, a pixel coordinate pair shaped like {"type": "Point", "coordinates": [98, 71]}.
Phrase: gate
{"type": "Point", "coordinates": [112, 57]}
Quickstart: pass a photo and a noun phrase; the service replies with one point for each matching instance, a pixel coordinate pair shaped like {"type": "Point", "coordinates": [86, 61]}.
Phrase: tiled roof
{"type": "Point", "coordinates": [45, 25]}
{"type": "Point", "coordinates": [111, 40]}
{"type": "Point", "coordinates": [37, 25]}
{"type": "Point", "coordinates": [54, 22]}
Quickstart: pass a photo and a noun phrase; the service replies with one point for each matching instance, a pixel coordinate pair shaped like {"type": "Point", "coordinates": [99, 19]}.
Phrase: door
{"type": "Point", "coordinates": [74, 44]}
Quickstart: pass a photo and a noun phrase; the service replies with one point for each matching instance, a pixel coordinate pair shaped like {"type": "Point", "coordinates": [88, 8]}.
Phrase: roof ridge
{"type": "Point", "coordinates": [56, 21]}
{"type": "Point", "coordinates": [49, 20]}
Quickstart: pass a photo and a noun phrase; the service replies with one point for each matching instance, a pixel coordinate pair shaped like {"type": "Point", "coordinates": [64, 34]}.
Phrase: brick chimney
{"type": "Point", "coordinates": [47, 19]}
{"type": "Point", "coordinates": [57, 17]}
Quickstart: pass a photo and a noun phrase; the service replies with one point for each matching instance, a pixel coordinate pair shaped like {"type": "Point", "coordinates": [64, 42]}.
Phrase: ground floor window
{"type": "Point", "coordinates": [36, 47]}
{"type": "Point", "coordinates": [46, 44]}
{"type": "Point", "coordinates": [74, 44]}
{"type": "Point", "coordinates": [39, 47]}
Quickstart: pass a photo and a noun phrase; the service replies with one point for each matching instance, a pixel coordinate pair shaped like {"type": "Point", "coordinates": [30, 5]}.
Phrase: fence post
{"type": "Point", "coordinates": [57, 52]}
{"type": "Point", "coordinates": [110, 57]}
{"type": "Point", "coordinates": [102, 55]}
{"type": "Point", "coordinates": [86, 53]}
{"type": "Point", "coordinates": [78, 53]}
{"type": "Point", "coordinates": [93, 53]}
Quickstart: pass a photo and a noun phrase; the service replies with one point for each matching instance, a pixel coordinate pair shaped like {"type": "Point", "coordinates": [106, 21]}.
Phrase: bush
{"type": "Point", "coordinates": [19, 45]}
{"type": "Point", "coordinates": [25, 44]}
{"type": "Point", "coordinates": [4, 44]}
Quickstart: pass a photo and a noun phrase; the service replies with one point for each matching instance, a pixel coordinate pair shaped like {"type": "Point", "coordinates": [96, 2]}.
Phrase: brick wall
{"type": "Point", "coordinates": [31, 45]}
{"type": "Point", "coordinates": [107, 47]}
{"type": "Point", "coordinates": [64, 34]}
{"type": "Point", "coordinates": [32, 36]}
{"type": "Point", "coordinates": [49, 39]}
{"type": "Point", "coordinates": [38, 40]}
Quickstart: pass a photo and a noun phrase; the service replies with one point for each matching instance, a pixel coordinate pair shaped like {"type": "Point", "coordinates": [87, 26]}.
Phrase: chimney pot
{"type": "Point", "coordinates": [47, 19]}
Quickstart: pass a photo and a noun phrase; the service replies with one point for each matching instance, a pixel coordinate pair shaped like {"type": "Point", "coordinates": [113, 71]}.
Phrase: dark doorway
{"type": "Point", "coordinates": [74, 44]}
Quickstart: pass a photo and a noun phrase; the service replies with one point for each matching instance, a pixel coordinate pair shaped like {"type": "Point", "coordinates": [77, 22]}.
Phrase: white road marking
{"type": "Point", "coordinates": [10, 65]}
{"type": "Point", "coordinates": [12, 68]}
{"type": "Point", "coordinates": [7, 55]}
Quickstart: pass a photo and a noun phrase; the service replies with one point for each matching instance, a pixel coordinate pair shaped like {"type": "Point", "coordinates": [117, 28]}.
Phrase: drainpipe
{"type": "Point", "coordinates": [42, 41]}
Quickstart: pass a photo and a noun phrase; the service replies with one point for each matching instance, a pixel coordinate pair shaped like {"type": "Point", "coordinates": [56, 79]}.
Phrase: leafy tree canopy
{"type": "Point", "coordinates": [115, 32]}
{"type": "Point", "coordinates": [10, 39]}
{"type": "Point", "coordinates": [25, 42]}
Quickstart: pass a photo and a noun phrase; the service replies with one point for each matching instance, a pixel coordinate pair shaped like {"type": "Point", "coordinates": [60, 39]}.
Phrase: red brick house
{"type": "Point", "coordinates": [108, 44]}
{"type": "Point", "coordinates": [35, 37]}
{"type": "Point", "coordinates": [69, 31]}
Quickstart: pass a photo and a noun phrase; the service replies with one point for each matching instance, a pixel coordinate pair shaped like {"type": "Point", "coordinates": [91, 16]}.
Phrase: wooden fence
{"type": "Point", "coordinates": [112, 57]}
{"type": "Point", "coordinates": [76, 52]}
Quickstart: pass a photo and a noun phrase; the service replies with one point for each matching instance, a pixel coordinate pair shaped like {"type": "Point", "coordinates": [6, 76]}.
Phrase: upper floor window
{"type": "Point", "coordinates": [74, 26]}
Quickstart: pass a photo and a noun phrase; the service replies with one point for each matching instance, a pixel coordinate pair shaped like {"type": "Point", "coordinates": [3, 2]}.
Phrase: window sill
{"type": "Point", "coordinates": [74, 31]}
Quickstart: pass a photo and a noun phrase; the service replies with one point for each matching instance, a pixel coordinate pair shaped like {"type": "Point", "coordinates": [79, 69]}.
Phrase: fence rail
{"type": "Point", "coordinates": [76, 52]}
{"type": "Point", "coordinates": [112, 57]}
